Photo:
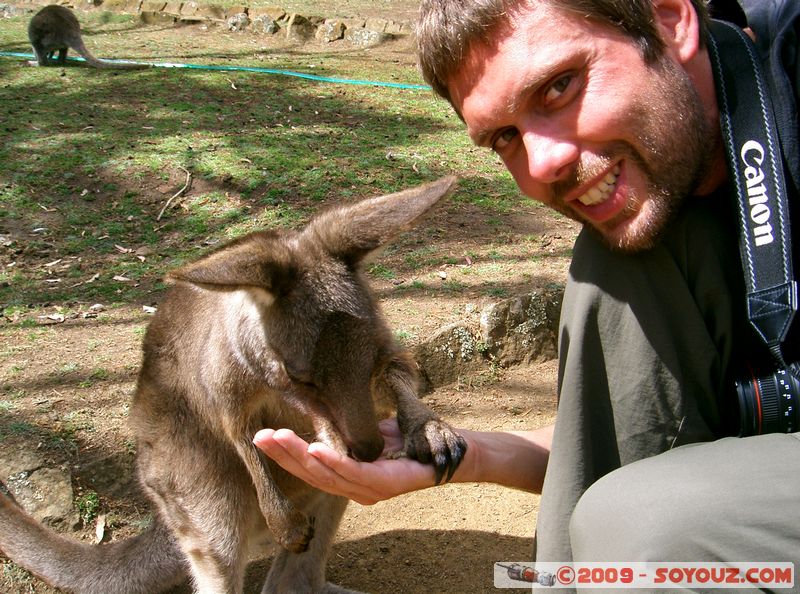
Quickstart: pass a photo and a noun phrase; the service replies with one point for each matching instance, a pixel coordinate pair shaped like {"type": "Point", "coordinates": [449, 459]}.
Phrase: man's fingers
{"type": "Point", "coordinates": [294, 455]}
{"type": "Point", "coordinates": [290, 452]}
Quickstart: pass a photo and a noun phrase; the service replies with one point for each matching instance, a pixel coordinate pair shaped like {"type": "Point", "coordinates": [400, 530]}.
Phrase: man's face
{"type": "Point", "coordinates": [585, 125]}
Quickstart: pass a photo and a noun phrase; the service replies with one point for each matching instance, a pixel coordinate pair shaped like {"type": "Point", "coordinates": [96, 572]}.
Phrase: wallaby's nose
{"type": "Point", "coordinates": [366, 452]}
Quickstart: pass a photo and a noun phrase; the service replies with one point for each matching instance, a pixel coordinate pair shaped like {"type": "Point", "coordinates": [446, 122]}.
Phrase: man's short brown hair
{"type": "Point", "coordinates": [447, 28]}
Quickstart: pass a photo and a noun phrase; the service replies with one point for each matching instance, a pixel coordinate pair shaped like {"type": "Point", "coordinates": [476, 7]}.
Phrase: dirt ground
{"type": "Point", "coordinates": [70, 378]}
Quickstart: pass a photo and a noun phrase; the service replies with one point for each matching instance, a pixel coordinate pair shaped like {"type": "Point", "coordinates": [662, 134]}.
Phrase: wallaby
{"type": "Point", "coordinates": [275, 329]}
{"type": "Point", "coordinates": [56, 28]}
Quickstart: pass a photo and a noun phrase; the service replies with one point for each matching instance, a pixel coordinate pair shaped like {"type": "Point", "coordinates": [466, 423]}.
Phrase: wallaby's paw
{"type": "Point", "coordinates": [435, 442]}
{"type": "Point", "coordinates": [298, 535]}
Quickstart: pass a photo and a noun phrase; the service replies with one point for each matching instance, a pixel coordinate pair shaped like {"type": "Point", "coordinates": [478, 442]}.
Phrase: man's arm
{"type": "Point", "coordinates": [512, 459]}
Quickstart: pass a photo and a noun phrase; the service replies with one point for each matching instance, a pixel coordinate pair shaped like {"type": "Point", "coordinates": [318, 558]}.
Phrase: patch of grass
{"type": "Point", "coordinates": [262, 151]}
{"type": "Point", "coordinates": [382, 272]}
{"type": "Point", "coordinates": [18, 428]}
{"type": "Point", "coordinates": [95, 376]}
{"type": "Point", "coordinates": [88, 505]}
{"type": "Point", "coordinates": [500, 292]}
{"type": "Point", "coordinates": [68, 368]}
{"type": "Point", "coordinates": [404, 337]}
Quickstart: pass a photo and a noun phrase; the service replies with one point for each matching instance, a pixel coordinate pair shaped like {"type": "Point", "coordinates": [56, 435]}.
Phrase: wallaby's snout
{"type": "Point", "coordinates": [367, 451]}
{"type": "Point", "coordinates": [347, 355]}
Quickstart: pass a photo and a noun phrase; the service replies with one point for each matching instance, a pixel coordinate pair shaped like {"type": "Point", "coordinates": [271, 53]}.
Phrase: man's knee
{"type": "Point", "coordinates": [640, 513]}
{"type": "Point", "coordinates": [725, 500]}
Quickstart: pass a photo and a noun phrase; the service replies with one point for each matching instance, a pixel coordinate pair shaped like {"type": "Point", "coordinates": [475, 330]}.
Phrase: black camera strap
{"type": "Point", "coordinates": [754, 161]}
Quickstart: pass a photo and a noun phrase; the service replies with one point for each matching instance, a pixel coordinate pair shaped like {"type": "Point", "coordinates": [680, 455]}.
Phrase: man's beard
{"type": "Point", "coordinates": [673, 150]}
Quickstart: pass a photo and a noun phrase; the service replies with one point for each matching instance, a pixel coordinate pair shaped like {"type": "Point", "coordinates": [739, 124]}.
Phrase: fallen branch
{"type": "Point", "coordinates": [178, 193]}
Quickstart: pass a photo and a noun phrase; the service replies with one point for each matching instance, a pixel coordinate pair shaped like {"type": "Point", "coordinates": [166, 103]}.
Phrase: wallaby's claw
{"type": "Point", "coordinates": [437, 443]}
{"type": "Point", "coordinates": [298, 537]}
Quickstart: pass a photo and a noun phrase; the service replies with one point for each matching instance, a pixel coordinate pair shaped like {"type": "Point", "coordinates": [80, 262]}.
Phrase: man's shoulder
{"type": "Point", "coordinates": [772, 20]}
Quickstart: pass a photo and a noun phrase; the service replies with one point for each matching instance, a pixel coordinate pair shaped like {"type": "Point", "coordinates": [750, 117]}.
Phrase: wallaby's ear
{"type": "Point", "coordinates": [260, 260]}
{"type": "Point", "coordinates": [351, 232]}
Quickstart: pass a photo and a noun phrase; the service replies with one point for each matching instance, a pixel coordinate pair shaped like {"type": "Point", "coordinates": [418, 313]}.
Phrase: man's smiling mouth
{"type": "Point", "coordinates": [600, 192]}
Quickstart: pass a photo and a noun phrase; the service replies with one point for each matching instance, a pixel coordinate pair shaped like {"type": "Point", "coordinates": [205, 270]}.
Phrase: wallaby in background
{"type": "Point", "coordinates": [56, 28]}
{"type": "Point", "coordinates": [275, 329]}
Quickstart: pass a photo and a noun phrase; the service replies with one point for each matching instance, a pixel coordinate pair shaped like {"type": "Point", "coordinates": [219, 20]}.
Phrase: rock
{"type": "Point", "coordinates": [173, 8]}
{"type": "Point", "coordinates": [45, 493]}
{"type": "Point", "coordinates": [353, 23]}
{"type": "Point", "coordinates": [238, 22]}
{"type": "Point", "coordinates": [149, 17]}
{"type": "Point", "coordinates": [276, 14]}
{"type": "Point", "coordinates": [264, 24]}
{"type": "Point", "coordinates": [211, 12]}
{"type": "Point", "coordinates": [365, 37]}
{"type": "Point", "coordinates": [299, 28]}
{"type": "Point", "coordinates": [152, 6]}
{"type": "Point", "coordinates": [7, 11]}
{"type": "Point", "coordinates": [452, 352]}
{"type": "Point", "coordinates": [523, 329]}
{"type": "Point", "coordinates": [330, 31]}
{"type": "Point", "coordinates": [378, 25]}
{"type": "Point", "coordinates": [189, 8]}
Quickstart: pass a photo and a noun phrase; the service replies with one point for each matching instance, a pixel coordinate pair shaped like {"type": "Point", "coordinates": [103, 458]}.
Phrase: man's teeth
{"type": "Point", "coordinates": [601, 191]}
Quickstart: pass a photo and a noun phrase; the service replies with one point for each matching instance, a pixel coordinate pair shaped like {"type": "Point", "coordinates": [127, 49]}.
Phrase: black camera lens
{"type": "Point", "coordinates": [770, 403]}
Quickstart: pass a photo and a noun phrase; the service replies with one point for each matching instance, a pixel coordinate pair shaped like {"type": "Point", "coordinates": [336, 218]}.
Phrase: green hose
{"type": "Point", "coordinates": [327, 79]}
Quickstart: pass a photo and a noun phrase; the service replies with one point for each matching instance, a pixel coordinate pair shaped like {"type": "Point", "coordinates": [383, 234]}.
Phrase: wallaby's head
{"type": "Point", "coordinates": [318, 323]}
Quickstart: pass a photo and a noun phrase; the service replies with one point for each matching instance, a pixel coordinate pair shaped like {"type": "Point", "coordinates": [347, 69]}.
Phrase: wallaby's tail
{"type": "Point", "coordinates": [145, 564]}
{"type": "Point", "coordinates": [80, 47]}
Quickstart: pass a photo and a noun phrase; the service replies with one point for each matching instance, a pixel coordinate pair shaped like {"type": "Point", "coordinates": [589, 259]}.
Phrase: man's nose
{"type": "Point", "coordinates": [550, 158]}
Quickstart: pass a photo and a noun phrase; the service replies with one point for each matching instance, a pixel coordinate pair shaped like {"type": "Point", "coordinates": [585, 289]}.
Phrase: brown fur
{"type": "Point", "coordinates": [276, 329]}
{"type": "Point", "coordinates": [56, 29]}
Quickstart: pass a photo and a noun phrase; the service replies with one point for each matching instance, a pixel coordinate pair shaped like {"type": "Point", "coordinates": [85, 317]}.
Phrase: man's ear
{"type": "Point", "coordinates": [678, 24]}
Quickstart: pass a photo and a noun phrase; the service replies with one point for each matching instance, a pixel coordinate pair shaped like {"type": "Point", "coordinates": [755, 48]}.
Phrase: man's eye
{"type": "Point", "coordinates": [503, 139]}
{"type": "Point", "coordinates": [557, 89]}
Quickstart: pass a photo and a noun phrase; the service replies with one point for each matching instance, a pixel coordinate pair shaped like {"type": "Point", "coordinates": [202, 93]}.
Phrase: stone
{"type": "Point", "coordinates": [150, 17]}
{"type": "Point", "coordinates": [238, 22]}
{"type": "Point", "coordinates": [365, 37]}
{"type": "Point", "coordinates": [522, 329]}
{"type": "Point", "coordinates": [378, 25]}
{"type": "Point", "coordinates": [264, 24]}
{"type": "Point", "coordinates": [353, 23]}
{"type": "Point", "coordinates": [330, 31]}
{"type": "Point", "coordinates": [276, 14]}
{"type": "Point", "coordinates": [189, 8]}
{"type": "Point", "coordinates": [150, 6]}
{"type": "Point", "coordinates": [173, 8]}
{"type": "Point", "coordinates": [299, 28]}
{"type": "Point", "coordinates": [45, 493]}
{"type": "Point", "coordinates": [454, 351]}
{"type": "Point", "coordinates": [211, 12]}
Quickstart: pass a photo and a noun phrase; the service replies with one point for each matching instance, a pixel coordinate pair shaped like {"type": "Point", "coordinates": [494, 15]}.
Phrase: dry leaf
{"type": "Point", "coordinates": [100, 528]}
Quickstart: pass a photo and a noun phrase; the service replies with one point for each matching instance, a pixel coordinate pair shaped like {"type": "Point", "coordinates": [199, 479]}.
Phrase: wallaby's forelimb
{"type": "Point", "coordinates": [291, 528]}
{"type": "Point", "coordinates": [427, 438]}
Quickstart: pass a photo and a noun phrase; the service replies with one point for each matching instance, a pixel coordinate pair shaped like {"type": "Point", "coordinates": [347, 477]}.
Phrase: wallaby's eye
{"type": "Point", "coordinates": [298, 373]}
